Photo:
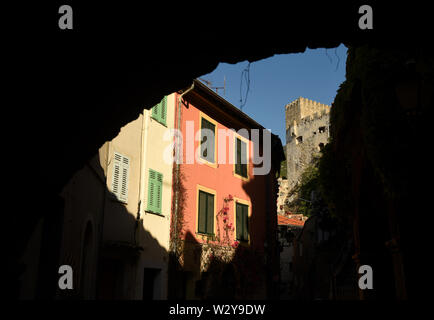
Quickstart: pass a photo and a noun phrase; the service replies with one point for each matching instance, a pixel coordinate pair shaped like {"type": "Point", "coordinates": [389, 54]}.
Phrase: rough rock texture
{"type": "Point", "coordinates": [281, 196]}
{"type": "Point", "coordinates": [307, 132]}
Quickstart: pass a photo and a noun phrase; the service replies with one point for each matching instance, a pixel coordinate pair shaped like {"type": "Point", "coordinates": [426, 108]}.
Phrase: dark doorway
{"type": "Point", "coordinates": [109, 284]}
{"type": "Point", "coordinates": [149, 280]}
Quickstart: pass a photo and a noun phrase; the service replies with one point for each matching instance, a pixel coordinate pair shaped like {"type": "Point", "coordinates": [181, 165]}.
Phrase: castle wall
{"type": "Point", "coordinates": [307, 130]}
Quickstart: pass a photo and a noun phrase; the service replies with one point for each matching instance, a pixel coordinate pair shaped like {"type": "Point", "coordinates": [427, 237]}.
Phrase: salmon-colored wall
{"type": "Point", "coordinates": [222, 180]}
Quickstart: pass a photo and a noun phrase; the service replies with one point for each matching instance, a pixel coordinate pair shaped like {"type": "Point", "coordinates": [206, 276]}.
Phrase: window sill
{"type": "Point", "coordinates": [206, 236]}
{"type": "Point", "coordinates": [209, 164]}
{"type": "Point", "coordinates": [155, 213]}
{"type": "Point", "coordinates": [244, 243]}
{"type": "Point", "coordinates": [240, 177]}
{"type": "Point", "coordinates": [163, 124]}
{"type": "Point", "coordinates": [114, 199]}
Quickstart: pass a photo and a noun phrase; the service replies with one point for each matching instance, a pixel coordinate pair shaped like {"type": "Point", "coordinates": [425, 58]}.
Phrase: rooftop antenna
{"type": "Point", "coordinates": [209, 83]}
{"type": "Point", "coordinates": [224, 87]}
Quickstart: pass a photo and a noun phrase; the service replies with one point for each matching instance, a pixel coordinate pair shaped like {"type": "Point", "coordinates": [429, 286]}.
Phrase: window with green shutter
{"type": "Point", "coordinates": [206, 213]}
{"type": "Point", "coordinates": [207, 141]}
{"type": "Point", "coordinates": [159, 111]}
{"type": "Point", "coordinates": [241, 157]}
{"type": "Point", "coordinates": [242, 222]}
{"type": "Point", "coordinates": [121, 167]}
{"type": "Point", "coordinates": [155, 191]}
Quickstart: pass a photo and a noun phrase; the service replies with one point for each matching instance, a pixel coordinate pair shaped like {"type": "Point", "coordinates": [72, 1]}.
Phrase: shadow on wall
{"type": "Point", "coordinates": [105, 266]}
{"type": "Point", "coordinates": [208, 272]}
{"type": "Point", "coordinates": [263, 221]}
{"type": "Point", "coordinates": [245, 271]}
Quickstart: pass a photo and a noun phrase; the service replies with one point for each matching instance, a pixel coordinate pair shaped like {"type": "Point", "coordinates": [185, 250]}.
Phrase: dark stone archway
{"type": "Point", "coordinates": [72, 91]}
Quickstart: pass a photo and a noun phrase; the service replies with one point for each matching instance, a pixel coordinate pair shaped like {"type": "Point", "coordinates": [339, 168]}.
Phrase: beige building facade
{"type": "Point", "coordinates": [117, 213]}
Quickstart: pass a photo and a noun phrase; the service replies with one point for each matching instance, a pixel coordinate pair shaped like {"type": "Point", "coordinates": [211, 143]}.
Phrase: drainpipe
{"type": "Point", "coordinates": [144, 140]}
{"type": "Point", "coordinates": [178, 126]}
{"type": "Point", "coordinates": [142, 180]}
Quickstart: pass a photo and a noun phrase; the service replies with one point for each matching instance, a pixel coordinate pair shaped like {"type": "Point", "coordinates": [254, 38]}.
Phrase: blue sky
{"type": "Point", "coordinates": [276, 81]}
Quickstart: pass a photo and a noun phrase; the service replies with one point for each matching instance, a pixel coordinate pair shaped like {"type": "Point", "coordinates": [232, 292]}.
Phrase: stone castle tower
{"type": "Point", "coordinates": [307, 131]}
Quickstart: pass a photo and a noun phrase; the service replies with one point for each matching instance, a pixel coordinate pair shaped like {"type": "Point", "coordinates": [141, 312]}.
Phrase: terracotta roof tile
{"type": "Point", "coordinates": [281, 220]}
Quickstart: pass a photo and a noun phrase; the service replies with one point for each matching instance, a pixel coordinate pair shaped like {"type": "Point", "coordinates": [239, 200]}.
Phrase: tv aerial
{"type": "Point", "coordinates": [209, 84]}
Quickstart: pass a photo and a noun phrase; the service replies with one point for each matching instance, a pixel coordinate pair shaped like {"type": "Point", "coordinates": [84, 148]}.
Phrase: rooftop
{"type": "Point", "coordinates": [282, 220]}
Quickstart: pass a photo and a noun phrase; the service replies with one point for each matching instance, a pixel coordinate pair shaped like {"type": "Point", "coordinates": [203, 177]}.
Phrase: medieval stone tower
{"type": "Point", "coordinates": [307, 131]}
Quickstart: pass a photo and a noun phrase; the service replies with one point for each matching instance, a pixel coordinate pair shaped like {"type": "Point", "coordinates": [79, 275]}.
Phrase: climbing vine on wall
{"type": "Point", "coordinates": [223, 217]}
{"type": "Point", "coordinates": [377, 113]}
{"type": "Point", "coordinates": [223, 248]}
{"type": "Point", "coordinates": [216, 256]}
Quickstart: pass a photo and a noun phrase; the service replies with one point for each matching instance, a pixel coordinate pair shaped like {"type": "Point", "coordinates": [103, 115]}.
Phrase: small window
{"type": "Point", "coordinates": [206, 213]}
{"type": "Point", "coordinates": [207, 140]}
{"type": "Point", "coordinates": [242, 222]}
{"type": "Point", "coordinates": [155, 191]}
{"type": "Point", "coordinates": [241, 158]}
{"type": "Point", "coordinates": [121, 167]}
{"type": "Point", "coordinates": [159, 111]}
{"type": "Point", "coordinates": [321, 129]}
{"type": "Point", "coordinates": [299, 139]}
{"type": "Point", "coordinates": [321, 146]}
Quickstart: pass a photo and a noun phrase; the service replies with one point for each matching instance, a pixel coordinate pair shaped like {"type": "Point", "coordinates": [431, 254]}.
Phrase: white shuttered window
{"type": "Point", "coordinates": [121, 168]}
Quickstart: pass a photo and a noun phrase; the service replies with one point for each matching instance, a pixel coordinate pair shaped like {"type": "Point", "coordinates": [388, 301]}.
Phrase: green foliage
{"type": "Point", "coordinates": [370, 125]}
{"type": "Point", "coordinates": [283, 173]}
{"type": "Point", "coordinates": [334, 181]}
{"type": "Point", "coordinates": [309, 182]}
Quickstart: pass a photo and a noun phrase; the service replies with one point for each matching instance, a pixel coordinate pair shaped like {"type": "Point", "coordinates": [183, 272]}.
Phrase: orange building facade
{"type": "Point", "coordinates": [221, 210]}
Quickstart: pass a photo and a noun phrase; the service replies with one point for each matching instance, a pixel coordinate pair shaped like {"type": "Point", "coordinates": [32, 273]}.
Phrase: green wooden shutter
{"type": "Point", "coordinates": [163, 110]}
{"type": "Point", "coordinates": [245, 223]}
{"type": "Point", "coordinates": [239, 217]}
{"type": "Point", "coordinates": [241, 158]}
{"type": "Point", "coordinates": [201, 225]}
{"type": "Point", "coordinates": [242, 216]}
{"type": "Point", "coordinates": [209, 144]}
{"type": "Point", "coordinates": [205, 222]}
{"type": "Point", "coordinates": [156, 112]}
{"type": "Point", "coordinates": [159, 111]}
{"type": "Point", "coordinates": [203, 140]}
{"type": "Point", "coordinates": [151, 190]}
{"type": "Point", "coordinates": [203, 148]}
{"type": "Point", "coordinates": [238, 157]}
{"type": "Point", "coordinates": [155, 191]}
{"type": "Point", "coordinates": [210, 214]}
{"type": "Point", "coordinates": [244, 159]}
{"type": "Point", "coordinates": [158, 192]}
